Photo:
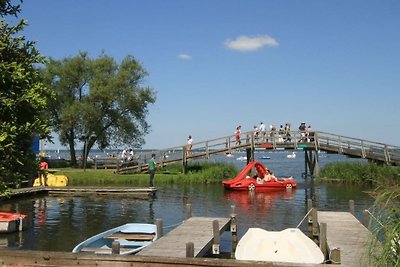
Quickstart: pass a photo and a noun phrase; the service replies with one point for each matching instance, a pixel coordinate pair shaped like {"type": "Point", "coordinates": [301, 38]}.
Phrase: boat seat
{"type": "Point", "coordinates": [134, 236]}
{"type": "Point", "coordinates": [102, 250]}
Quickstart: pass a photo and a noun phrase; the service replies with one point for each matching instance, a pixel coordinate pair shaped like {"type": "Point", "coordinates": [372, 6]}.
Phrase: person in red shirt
{"type": "Point", "coordinates": [43, 169]}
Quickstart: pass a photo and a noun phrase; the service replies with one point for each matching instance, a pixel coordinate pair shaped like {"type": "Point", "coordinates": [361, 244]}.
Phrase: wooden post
{"type": "Point", "coordinates": [95, 163]}
{"type": "Point", "coordinates": [189, 250]}
{"type": "Point", "coordinates": [159, 223]}
{"type": "Point", "coordinates": [365, 218]}
{"type": "Point", "coordinates": [315, 222]}
{"type": "Point", "coordinates": [323, 242]}
{"type": "Point", "coordinates": [216, 238]}
{"type": "Point", "coordinates": [335, 256]}
{"type": "Point", "coordinates": [233, 231]}
{"type": "Point", "coordinates": [115, 247]}
{"type": "Point", "coordinates": [184, 160]}
{"type": "Point", "coordinates": [309, 207]}
{"type": "Point", "coordinates": [188, 210]}
{"type": "Point", "coordinates": [351, 205]}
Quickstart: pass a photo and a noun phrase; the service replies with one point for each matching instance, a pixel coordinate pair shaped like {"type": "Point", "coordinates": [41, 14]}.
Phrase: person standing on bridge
{"type": "Point", "coordinates": [263, 131]}
{"type": "Point", "coordinates": [237, 135]}
{"type": "Point", "coordinates": [189, 145]}
{"type": "Point", "coordinates": [152, 169]}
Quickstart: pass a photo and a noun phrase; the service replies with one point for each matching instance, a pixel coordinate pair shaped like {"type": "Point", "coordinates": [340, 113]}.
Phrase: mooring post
{"type": "Point", "coordinates": [233, 231]}
{"type": "Point", "coordinates": [188, 210]}
{"type": "Point", "coordinates": [309, 225]}
{"type": "Point", "coordinates": [115, 247]}
{"type": "Point", "coordinates": [366, 218]}
{"type": "Point", "coordinates": [323, 242]}
{"type": "Point", "coordinates": [189, 250]}
{"type": "Point", "coordinates": [159, 223]}
{"type": "Point", "coordinates": [315, 228]}
{"type": "Point", "coordinates": [216, 238]}
{"type": "Point", "coordinates": [351, 205]}
{"type": "Point", "coordinates": [335, 256]}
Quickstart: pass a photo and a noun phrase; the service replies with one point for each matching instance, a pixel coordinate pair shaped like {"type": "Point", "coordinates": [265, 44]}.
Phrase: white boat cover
{"type": "Point", "coordinates": [289, 245]}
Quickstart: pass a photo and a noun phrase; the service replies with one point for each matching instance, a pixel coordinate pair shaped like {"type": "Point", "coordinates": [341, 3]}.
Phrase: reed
{"type": "Point", "coordinates": [360, 173]}
{"type": "Point", "coordinates": [385, 224]}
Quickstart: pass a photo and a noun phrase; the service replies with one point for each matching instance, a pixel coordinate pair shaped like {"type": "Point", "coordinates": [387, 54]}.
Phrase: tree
{"type": "Point", "coordinates": [98, 101]}
{"type": "Point", "coordinates": [23, 99]}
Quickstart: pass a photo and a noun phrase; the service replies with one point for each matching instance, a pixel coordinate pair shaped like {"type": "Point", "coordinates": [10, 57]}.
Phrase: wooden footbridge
{"type": "Point", "coordinates": [317, 141]}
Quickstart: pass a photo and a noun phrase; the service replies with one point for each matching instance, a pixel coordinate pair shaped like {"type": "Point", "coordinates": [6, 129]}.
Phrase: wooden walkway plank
{"type": "Point", "coordinates": [198, 230]}
{"type": "Point", "coordinates": [345, 232]}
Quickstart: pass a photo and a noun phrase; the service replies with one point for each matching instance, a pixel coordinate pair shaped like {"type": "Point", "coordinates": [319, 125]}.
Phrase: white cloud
{"type": "Point", "coordinates": [184, 57]}
{"type": "Point", "coordinates": [250, 43]}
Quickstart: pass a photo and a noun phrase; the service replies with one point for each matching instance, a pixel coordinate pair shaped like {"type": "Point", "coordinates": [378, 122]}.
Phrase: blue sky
{"type": "Point", "coordinates": [216, 64]}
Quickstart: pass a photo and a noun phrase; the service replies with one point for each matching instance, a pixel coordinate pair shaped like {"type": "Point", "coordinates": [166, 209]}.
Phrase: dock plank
{"type": "Point", "coordinates": [345, 232]}
{"type": "Point", "coordinates": [198, 230]}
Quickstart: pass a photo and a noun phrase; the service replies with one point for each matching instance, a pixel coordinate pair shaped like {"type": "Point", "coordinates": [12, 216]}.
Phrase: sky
{"type": "Point", "coordinates": [217, 64]}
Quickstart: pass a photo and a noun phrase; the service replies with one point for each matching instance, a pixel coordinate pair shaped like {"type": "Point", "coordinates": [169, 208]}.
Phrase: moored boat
{"type": "Point", "coordinates": [252, 177]}
{"type": "Point", "coordinates": [52, 180]}
{"type": "Point", "coordinates": [290, 245]}
{"type": "Point", "coordinates": [12, 222]}
{"type": "Point", "coordinates": [132, 238]}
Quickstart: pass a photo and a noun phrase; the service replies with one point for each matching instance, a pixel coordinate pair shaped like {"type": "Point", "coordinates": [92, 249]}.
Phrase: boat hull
{"type": "Point", "coordinates": [12, 222]}
{"type": "Point", "coordinates": [289, 245]}
{"type": "Point", "coordinates": [132, 238]}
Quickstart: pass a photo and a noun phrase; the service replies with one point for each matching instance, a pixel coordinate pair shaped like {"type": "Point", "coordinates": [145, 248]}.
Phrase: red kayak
{"type": "Point", "coordinates": [245, 181]}
{"type": "Point", "coordinates": [11, 222]}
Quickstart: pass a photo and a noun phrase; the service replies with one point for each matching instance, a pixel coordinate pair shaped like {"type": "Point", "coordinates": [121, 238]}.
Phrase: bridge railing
{"type": "Point", "coordinates": [358, 147]}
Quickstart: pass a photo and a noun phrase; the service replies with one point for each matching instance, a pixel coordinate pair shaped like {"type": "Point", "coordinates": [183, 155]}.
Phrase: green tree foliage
{"type": "Point", "coordinates": [22, 100]}
{"type": "Point", "coordinates": [98, 101]}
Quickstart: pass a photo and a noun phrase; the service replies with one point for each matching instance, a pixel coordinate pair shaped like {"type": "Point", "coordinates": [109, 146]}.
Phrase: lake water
{"type": "Point", "coordinates": [59, 223]}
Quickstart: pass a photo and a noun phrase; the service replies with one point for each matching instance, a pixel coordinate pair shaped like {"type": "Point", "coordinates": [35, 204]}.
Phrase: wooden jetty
{"type": "Point", "coordinates": [344, 236]}
{"type": "Point", "coordinates": [84, 191]}
{"type": "Point", "coordinates": [198, 230]}
{"type": "Point", "coordinates": [347, 240]}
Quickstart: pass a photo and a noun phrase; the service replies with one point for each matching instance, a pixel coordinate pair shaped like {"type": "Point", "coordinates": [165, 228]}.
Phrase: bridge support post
{"type": "Point", "coordinates": [311, 162]}
{"type": "Point", "coordinates": [250, 151]}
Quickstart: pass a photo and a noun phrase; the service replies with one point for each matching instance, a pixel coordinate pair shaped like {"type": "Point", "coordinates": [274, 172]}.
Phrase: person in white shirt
{"type": "Point", "coordinates": [189, 145]}
{"type": "Point", "coordinates": [263, 131]}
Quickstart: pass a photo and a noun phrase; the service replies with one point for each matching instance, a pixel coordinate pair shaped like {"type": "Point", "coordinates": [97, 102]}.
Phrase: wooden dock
{"type": "Point", "coordinates": [347, 235]}
{"type": "Point", "coordinates": [198, 230]}
{"type": "Point", "coordinates": [84, 191]}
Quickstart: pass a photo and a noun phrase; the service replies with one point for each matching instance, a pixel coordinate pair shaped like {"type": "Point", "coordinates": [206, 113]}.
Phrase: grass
{"type": "Point", "coordinates": [202, 172]}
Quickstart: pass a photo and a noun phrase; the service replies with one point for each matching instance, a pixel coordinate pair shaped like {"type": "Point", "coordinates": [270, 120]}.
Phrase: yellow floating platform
{"type": "Point", "coordinates": [52, 180]}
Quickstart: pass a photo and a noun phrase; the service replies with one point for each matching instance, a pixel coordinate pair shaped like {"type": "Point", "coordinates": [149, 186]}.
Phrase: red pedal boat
{"type": "Point", "coordinates": [244, 181]}
{"type": "Point", "coordinates": [11, 222]}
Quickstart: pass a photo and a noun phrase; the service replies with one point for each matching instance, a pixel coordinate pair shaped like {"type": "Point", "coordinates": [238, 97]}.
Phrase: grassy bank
{"type": "Point", "coordinates": [197, 173]}
{"type": "Point", "coordinates": [360, 173]}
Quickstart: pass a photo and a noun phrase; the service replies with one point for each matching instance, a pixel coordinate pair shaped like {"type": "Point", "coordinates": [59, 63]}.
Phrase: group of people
{"type": "Point", "coordinates": [269, 176]}
{"type": "Point", "coordinates": [284, 133]}
{"type": "Point", "coordinates": [127, 155]}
